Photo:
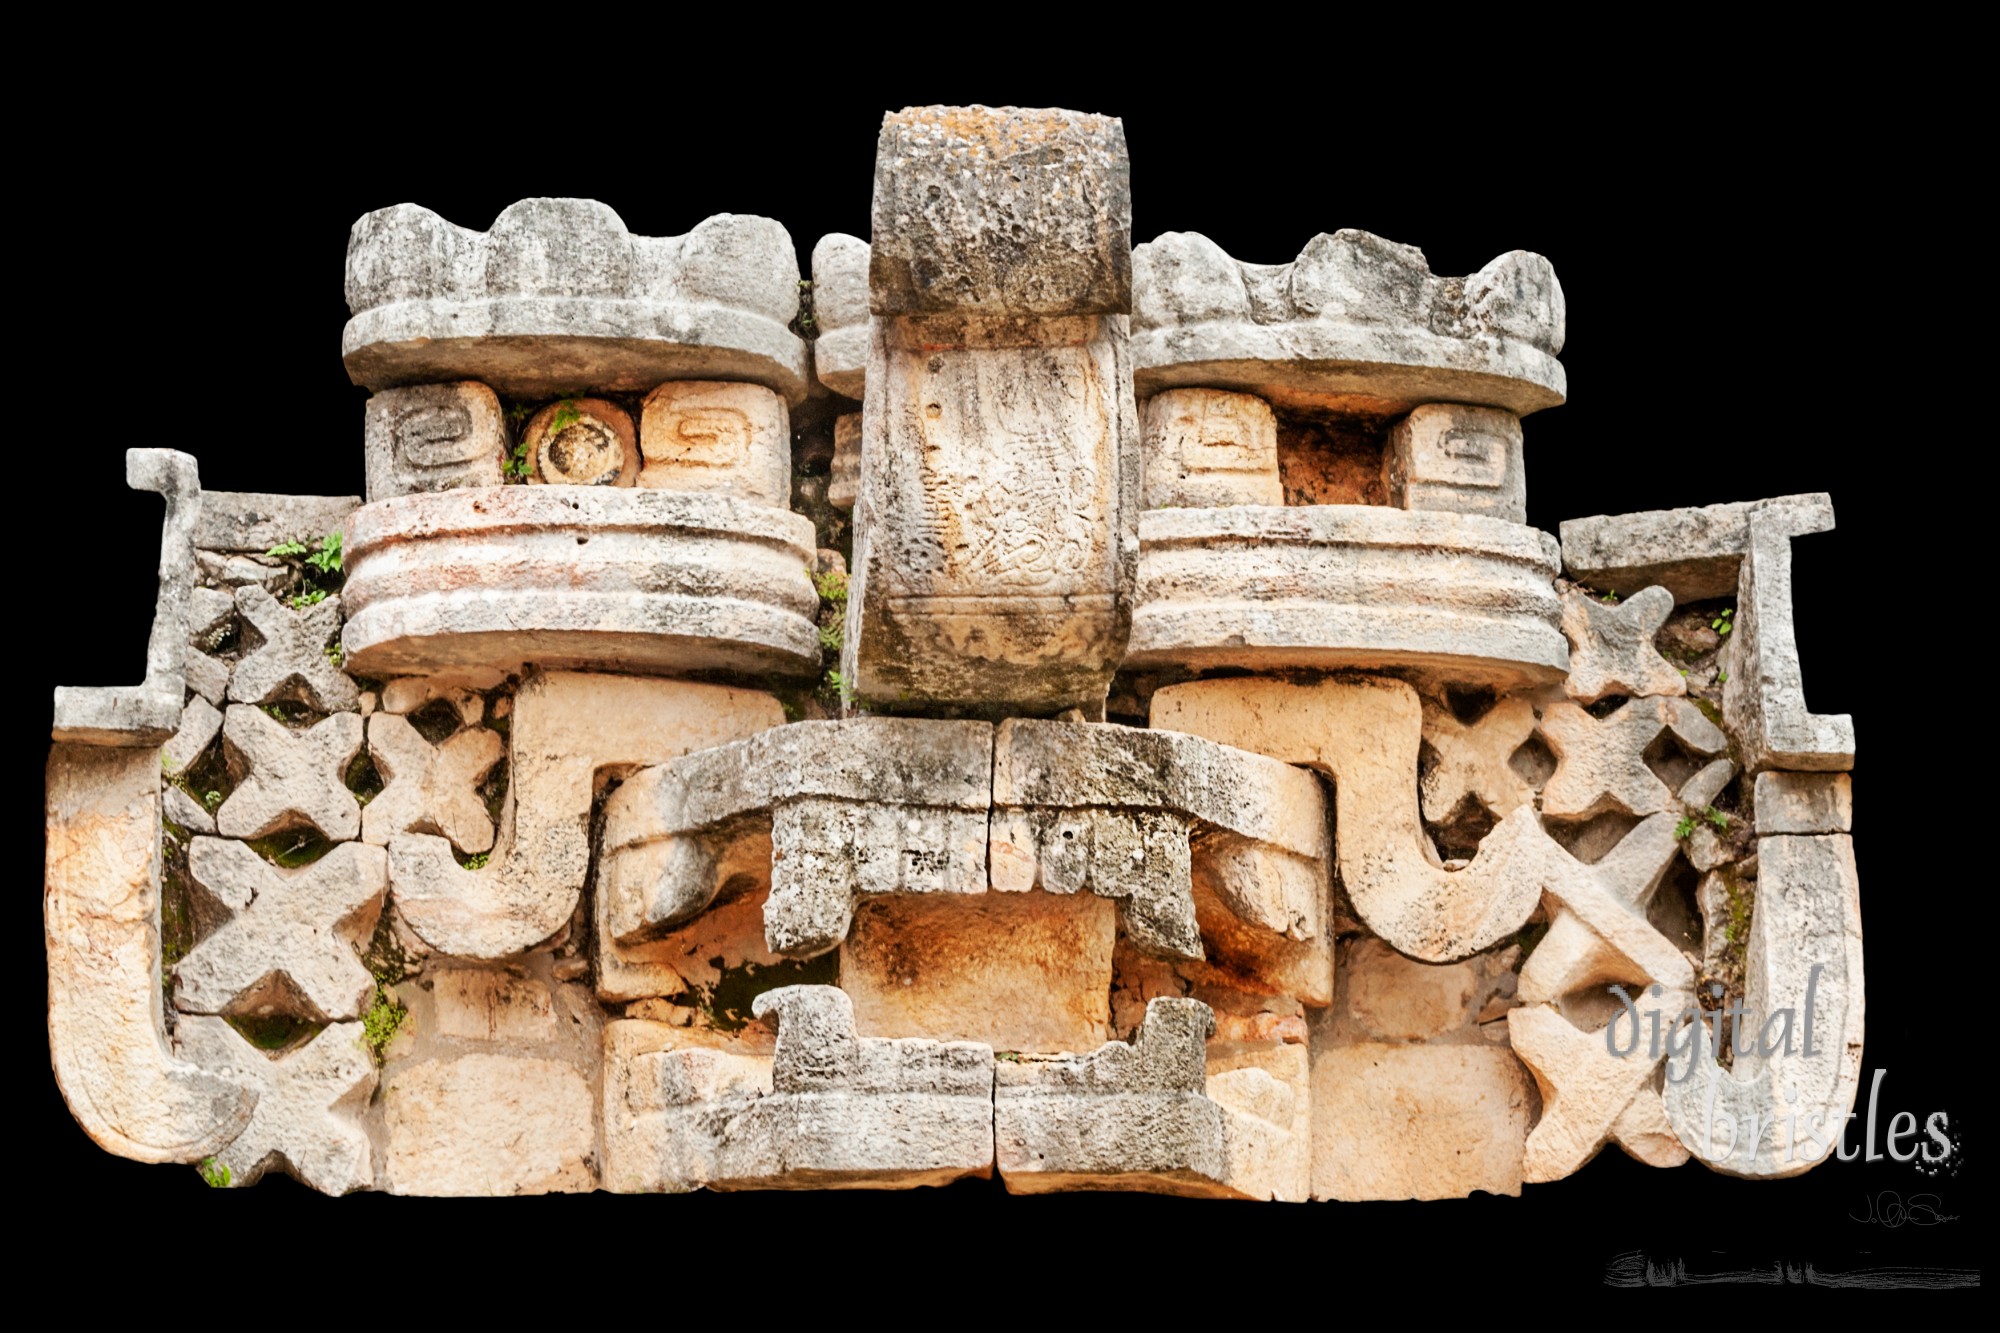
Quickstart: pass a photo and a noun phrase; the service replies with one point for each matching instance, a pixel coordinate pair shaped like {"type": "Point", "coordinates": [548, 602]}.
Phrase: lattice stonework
{"type": "Point", "coordinates": [995, 757]}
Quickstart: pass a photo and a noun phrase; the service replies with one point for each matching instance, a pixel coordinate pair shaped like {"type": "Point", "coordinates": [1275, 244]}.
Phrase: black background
{"type": "Point", "coordinates": [1741, 324]}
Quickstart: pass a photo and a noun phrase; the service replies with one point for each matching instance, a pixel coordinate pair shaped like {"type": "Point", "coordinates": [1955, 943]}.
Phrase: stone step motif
{"type": "Point", "coordinates": [488, 838]}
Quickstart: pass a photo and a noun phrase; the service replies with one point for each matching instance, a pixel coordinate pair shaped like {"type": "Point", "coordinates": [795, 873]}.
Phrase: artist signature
{"type": "Point", "coordinates": [1888, 1209]}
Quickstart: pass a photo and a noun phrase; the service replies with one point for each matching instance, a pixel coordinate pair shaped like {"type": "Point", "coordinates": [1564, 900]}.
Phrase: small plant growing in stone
{"type": "Point", "coordinates": [1722, 676]}
{"type": "Point", "coordinates": [214, 1174]}
{"type": "Point", "coordinates": [1721, 624]}
{"type": "Point", "coordinates": [310, 597]}
{"type": "Point", "coordinates": [476, 861]}
{"type": "Point", "coordinates": [1684, 827]}
{"type": "Point", "coordinates": [841, 686]}
{"type": "Point", "coordinates": [1715, 817]}
{"type": "Point", "coordinates": [1687, 824]}
{"type": "Point", "coordinates": [211, 799]}
{"type": "Point", "coordinates": [1611, 597]}
{"type": "Point", "coordinates": [382, 1021]}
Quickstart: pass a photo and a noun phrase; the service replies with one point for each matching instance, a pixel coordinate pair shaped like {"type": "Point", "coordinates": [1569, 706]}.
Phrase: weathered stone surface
{"type": "Point", "coordinates": [1000, 480]}
{"type": "Point", "coordinates": [582, 442]}
{"type": "Point", "coordinates": [310, 1100]}
{"type": "Point", "coordinates": [291, 662]}
{"type": "Point", "coordinates": [1601, 765]}
{"type": "Point", "coordinates": [1611, 646]}
{"type": "Point", "coordinates": [289, 940]}
{"type": "Point", "coordinates": [477, 1004]}
{"type": "Point", "coordinates": [707, 435]}
{"type": "Point", "coordinates": [1124, 1116]}
{"type": "Point", "coordinates": [1354, 323]}
{"type": "Point", "coordinates": [485, 1124]}
{"type": "Point", "coordinates": [147, 713]}
{"type": "Point", "coordinates": [1205, 448]}
{"type": "Point", "coordinates": [1590, 1097]}
{"type": "Point", "coordinates": [1001, 211]}
{"type": "Point", "coordinates": [631, 579]}
{"type": "Point", "coordinates": [1417, 1122]}
{"type": "Point", "coordinates": [840, 312]}
{"type": "Point", "coordinates": [290, 777]}
{"type": "Point", "coordinates": [100, 914]}
{"type": "Point", "coordinates": [1016, 971]}
{"type": "Point", "coordinates": [1777, 1112]}
{"type": "Point", "coordinates": [1804, 803]}
{"type": "Point", "coordinates": [1400, 999]}
{"type": "Point", "coordinates": [1464, 596]}
{"type": "Point", "coordinates": [207, 676]}
{"type": "Point", "coordinates": [247, 522]}
{"type": "Point", "coordinates": [1112, 809]}
{"type": "Point", "coordinates": [1365, 734]}
{"type": "Point", "coordinates": [1764, 701]}
{"type": "Point", "coordinates": [409, 693]}
{"type": "Point", "coordinates": [1473, 759]}
{"type": "Point", "coordinates": [558, 296]}
{"type": "Point", "coordinates": [234, 571]}
{"type": "Point", "coordinates": [199, 723]}
{"type": "Point", "coordinates": [1464, 460]}
{"type": "Point", "coordinates": [430, 788]}
{"type": "Point", "coordinates": [844, 485]}
{"type": "Point", "coordinates": [433, 437]}
{"type": "Point", "coordinates": [1695, 554]}
{"type": "Point", "coordinates": [868, 806]}
{"type": "Point", "coordinates": [838, 1110]}
{"type": "Point", "coordinates": [1264, 1090]}
{"type": "Point", "coordinates": [185, 811]}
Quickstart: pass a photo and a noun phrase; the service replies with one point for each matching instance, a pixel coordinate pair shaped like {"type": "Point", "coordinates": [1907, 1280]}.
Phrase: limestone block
{"type": "Point", "coordinates": [1002, 211]}
{"type": "Point", "coordinates": [1399, 999]}
{"type": "Point", "coordinates": [582, 442]}
{"type": "Point", "coordinates": [1462, 596]}
{"type": "Point", "coordinates": [600, 577]}
{"type": "Point", "coordinates": [199, 723]}
{"type": "Point", "coordinates": [183, 810]}
{"type": "Point", "coordinates": [210, 612]}
{"type": "Point", "coordinates": [1264, 1090]}
{"type": "Point", "coordinates": [476, 1004]}
{"type": "Point", "coordinates": [566, 727]}
{"type": "Point", "coordinates": [838, 1111]}
{"type": "Point", "coordinates": [1611, 646]}
{"type": "Point", "coordinates": [1590, 1097]}
{"type": "Point", "coordinates": [100, 915]}
{"type": "Point", "coordinates": [408, 694]}
{"type": "Point", "coordinates": [486, 1124]}
{"type": "Point", "coordinates": [840, 312]}
{"type": "Point", "coordinates": [1016, 971]}
{"type": "Point", "coordinates": [1417, 1122]}
{"type": "Point", "coordinates": [430, 788]}
{"type": "Point", "coordinates": [1000, 480]}
{"type": "Point", "coordinates": [1365, 735]}
{"type": "Point", "coordinates": [251, 523]}
{"type": "Point", "coordinates": [1601, 766]}
{"type": "Point", "coordinates": [290, 940]}
{"type": "Point", "coordinates": [1695, 554]}
{"type": "Point", "coordinates": [1111, 809]}
{"type": "Point", "coordinates": [290, 661]}
{"type": "Point", "coordinates": [1776, 1112]}
{"type": "Point", "coordinates": [207, 676]}
{"type": "Point", "coordinates": [558, 295]}
{"type": "Point", "coordinates": [1472, 759]}
{"type": "Point", "coordinates": [1205, 448]}
{"type": "Point", "coordinates": [1132, 1117]}
{"type": "Point", "coordinates": [845, 483]}
{"type": "Point", "coordinates": [1764, 701]}
{"type": "Point", "coordinates": [433, 437]}
{"type": "Point", "coordinates": [310, 1100]}
{"type": "Point", "coordinates": [290, 777]}
{"type": "Point", "coordinates": [868, 806]}
{"type": "Point", "coordinates": [707, 435]}
{"type": "Point", "coordinates": [1354, 323]}
{"type": "Point", "coordinates": [1464, 460]}
{"type": "Point", "coordinates": [1804, 803]}
{"type": "Point", "coordinates": [147, 713]}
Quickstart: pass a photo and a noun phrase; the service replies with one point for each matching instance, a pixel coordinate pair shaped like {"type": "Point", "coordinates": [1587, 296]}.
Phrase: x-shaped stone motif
{"type": "Point", "coordinates": [1601, 766]}
{"type": "Point", "coordinates": [431, 788]}
{"type": "Point", "coordinates": [1611, 646]}
{"type": "Point", "coordinates": [290, 937]}
{"type": "Point", "coordinates": [309, 1099]}
{"type": "Point", "coordinates": [291, 663]}
{"type": "Point", "coordinates": [292, 776]}
{"type": "Point", "coordinates": [1472, 759]}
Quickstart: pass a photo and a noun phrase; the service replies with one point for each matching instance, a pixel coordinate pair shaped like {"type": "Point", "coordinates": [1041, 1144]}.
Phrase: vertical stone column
{"type": "Point", "coordinates": [997, 518]}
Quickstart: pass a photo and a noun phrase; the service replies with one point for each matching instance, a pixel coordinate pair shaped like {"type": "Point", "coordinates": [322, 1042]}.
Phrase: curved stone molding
{"type": "Point", "coordinates": [1354, 323]}
{"type": "Point", "coordinates": [1365, 734]}
{"type": "Point", "coordinates": [566, 727]}
{"type": "Point", "coordinates": [1330, 586]}
{"type": "Point", "coordinates": [148, 713]}
{"type": "Point", "coordinates": [101, 914]}
{"type": "Point", "coordinates": [559, 296]}
{"type": "Point", "coordinates": [840, 313]}
{"type": "Point", "coordinates": [563, 576]}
